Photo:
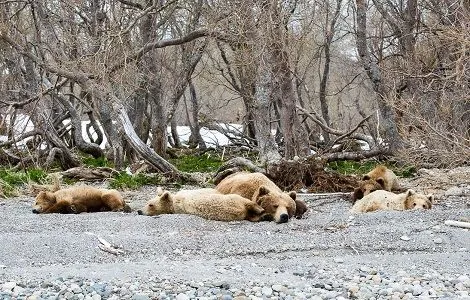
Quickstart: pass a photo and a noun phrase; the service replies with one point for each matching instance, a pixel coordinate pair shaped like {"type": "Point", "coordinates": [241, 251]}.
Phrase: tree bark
{"type": "Point", "coordinates": [388, 120]}
{"type": "Point", "coordinates": [195, 127]}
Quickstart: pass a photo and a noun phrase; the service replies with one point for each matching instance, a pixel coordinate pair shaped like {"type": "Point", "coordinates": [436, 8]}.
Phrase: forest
{"type": "Point", "coordinates": [308, 81]}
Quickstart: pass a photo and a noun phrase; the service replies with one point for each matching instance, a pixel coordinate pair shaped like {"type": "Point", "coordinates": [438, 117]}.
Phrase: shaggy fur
{"type": "Point", "coordinates": [380, 178]}
{"type": "Point", "coordinates": [278, 206]}
{"type": "Point", "coordinates": [205, 203]}
{"type": "Point", "coordinates": [300, 208]}
{"type": "Point", "coordinates": [79, 199]}
{"type": "Point", "coordinates": [385, 200]}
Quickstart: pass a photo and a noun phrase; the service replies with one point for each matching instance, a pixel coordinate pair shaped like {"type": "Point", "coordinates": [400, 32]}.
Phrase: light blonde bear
{"type": "Point", "coordinates": [206, 203]}
{"type": "Point", "coordinates": [385, 200]}
{"type": "Point", "coordinates": [277, 205]}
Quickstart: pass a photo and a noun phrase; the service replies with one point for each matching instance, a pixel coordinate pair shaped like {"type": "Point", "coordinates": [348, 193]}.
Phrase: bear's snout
{"type": "Point", "coordinates": [283, 218]}
{"type": "Point", "coordinates": [140, 212]}
{"type": "Point", "coordinates": [35, 211]}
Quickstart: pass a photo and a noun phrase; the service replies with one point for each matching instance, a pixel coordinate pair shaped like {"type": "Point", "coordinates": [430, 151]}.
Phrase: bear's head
{"type": "Point", "coordinates": [278, 206]}
{"type": "Point", "coordinates": [300, 208]}
{"type": "Point", "coordinates": [366, 187]}
{"type": "Point", "coordinates": [162, 204]}
{"type": "Point", "coordinates": [415, 200]}
{"type": "Point", "coordinates": [44, 200]}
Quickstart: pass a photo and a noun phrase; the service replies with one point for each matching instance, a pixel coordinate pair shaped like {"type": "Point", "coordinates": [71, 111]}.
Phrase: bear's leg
{"type": "Point", "coordinates": [112, 202]}
{"type": "Point", "coordinates": [61, 207]}
{"type": "Point", "coordinates": [77, 208]}
{"type": "Point", "coordinates": [254, 212]}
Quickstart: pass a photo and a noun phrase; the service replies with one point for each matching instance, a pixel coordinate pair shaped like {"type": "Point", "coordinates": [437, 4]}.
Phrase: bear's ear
{"type": "Point", "coordinates": [358, 194]}
{"type": "Point", "coordinates": [165, 197]}
{"type": "Point", "coordinates": [381, 181]}
{"type": "Point", "coordinates": [263, 191]}
{"type": "Point", "coordinates": [410, 192]}
{"type": "Point", "coordinates": [293, 195]}
{"type": "Point", "coordinates": [430, 198]}
{"type": "Point", "coordinates": [366, 177]}
{"type": "Point", "coordinates": [159, 191]}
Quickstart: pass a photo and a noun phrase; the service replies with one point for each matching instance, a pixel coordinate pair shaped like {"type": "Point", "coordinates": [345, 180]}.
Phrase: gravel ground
{"type": "Point", "coordinates": [330, 254]}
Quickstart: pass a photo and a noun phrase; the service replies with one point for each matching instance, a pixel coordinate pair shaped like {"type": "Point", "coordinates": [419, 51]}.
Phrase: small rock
{"type": "Point", "coordinates": [405, 238]}
{"type": "Point", "coordinates": [279, 288]}
{"type": "Point", "coordinates": [182, 296]}
{"type": "Point", "coordinates": [267, 291]}
{"type": "Point", "coordinates": [140, 297]}
{"type": "Point", "coordinates": [438, 241]}
{"type": "Point", "coordinates": [417, 290]}
{"type": "Point", "coordinates": [75, 288]}
{"type": "Point", "coordinates": [339, 260]}
{"type": "Point", "coordinates": [8, 286]}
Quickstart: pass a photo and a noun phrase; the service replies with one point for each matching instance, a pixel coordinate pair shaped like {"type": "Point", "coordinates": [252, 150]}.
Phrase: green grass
{"type": "Point", "coordinates": [207, 162]}
{"type": "Point", "coordinates": [348, 167]}
{"type": "Point", "coordinates": [126, 181]}
{"type": "Point", "coordinates": [90, 161]}
{"type": "Point", "coordinates": [11, 180]}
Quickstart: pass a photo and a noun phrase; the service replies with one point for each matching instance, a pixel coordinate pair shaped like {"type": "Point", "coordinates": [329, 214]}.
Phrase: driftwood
{"type": "Point", "coordinates": [457, 224]}
{"type": "Point", "coordinates": [234, 165]}
{"type": "Point", "coordinates": [88, 174]}
{"type": "Point", "coordinates": [107, 246]}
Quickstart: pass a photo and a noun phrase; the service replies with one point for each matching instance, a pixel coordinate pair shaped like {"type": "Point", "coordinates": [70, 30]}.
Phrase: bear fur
{"type": "Point", "coordinates": [300, 208]}
{"type": "Point", "coordinates": [385, 200]}
{"type": "Point", "coordinates": [206, 203]}
{"type": "Point", "coordinates": [277, 205]}
{"type": "Point", "coordinates": [79, 199]}
{"type": "Point", "coordinates": [380, 178]}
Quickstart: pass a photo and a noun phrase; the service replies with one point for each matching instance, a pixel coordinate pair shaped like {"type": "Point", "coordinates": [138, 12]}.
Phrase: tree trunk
{"type": "Point", "coordinates": [125, 125]}
{"type": "Point", "coordinates": [195, 128]}
{"type": "Point", "coordinates": [388, 122]}
{"type": "Point", "coordinates": [269, 152]}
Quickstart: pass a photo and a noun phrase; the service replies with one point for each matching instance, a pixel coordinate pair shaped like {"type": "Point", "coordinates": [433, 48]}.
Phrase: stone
{"type": "Point", "coordinates": [267, 291]}
{"type": "Point", "coordinates": [8, 286]}
{"type": "Point", "coordinates": [182, 296]}
{"type": "Point", "coordinates": [278, 288]}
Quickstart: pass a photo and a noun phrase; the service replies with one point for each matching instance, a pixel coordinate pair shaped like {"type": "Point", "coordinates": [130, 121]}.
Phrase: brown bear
{"type": "Point", "coordinates": [385, 200]}
{"type": "Point", "coordinates": [278, 206]}
{"type": "Point", "coordinates": [206, 203]}
{"type": "Point", "coordinates": [380, 178]}
{"type": "Point", "coordinates": [300, 208]}
{"type": "Point", "coordinates": [79, 199]}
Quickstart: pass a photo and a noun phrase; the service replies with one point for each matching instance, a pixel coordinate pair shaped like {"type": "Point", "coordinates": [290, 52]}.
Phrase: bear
{"type": "Point", "coordinates": [206, 203]}
{"type": "Point", "coordinates": [365, 187]}
{"type": "Point", "coordinates": [385, 200]}
{"type": "Point", "coordinates": [380, 178]}
{"type": "Point", "coordinates": [278, 206]}
{"type": "Point", "coordinates": [300, 208]}
{"type": "Point", "coordinates": [79, 199]}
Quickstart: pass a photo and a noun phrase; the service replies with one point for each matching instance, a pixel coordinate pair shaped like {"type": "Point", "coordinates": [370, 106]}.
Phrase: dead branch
{"type": "Point", "coordinates": [234, 165]}
{"type": "Point", "coordinates": [315, 118]}
{"type": "Point", "coordinates": [87, 174]}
